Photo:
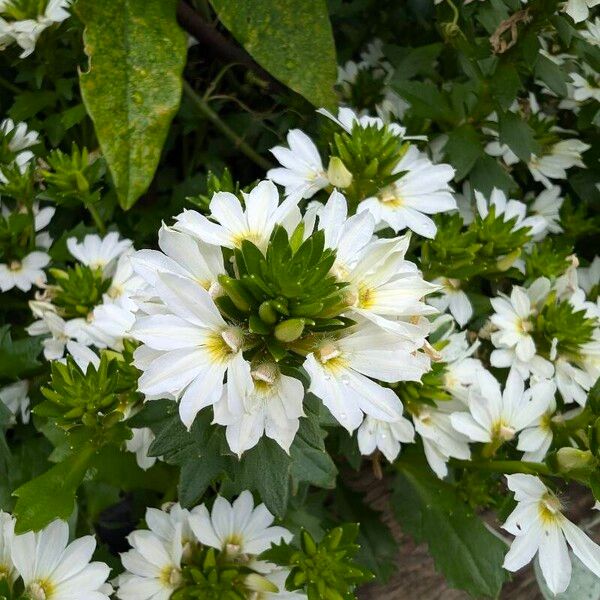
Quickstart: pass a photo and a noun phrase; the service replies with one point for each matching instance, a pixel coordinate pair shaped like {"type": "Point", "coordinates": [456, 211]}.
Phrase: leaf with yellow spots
{"type": "Point", "coordinates": [132, 89]}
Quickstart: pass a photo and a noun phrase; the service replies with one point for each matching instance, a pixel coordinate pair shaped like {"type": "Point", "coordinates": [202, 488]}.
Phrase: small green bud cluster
{"type": "Point", "coordinates": [325, 569]}
{"type": "Point", "coordinates": [488, 247]}
{"type": "Point", "coordinates": [214, 184]}
{"type": "Point", "coordinates": [73, 179]}
{"type": "Point", "coordinates": [77, 290]}
{"type": "Point", "coordinates": [285, 293]}
{"type": "Point", "coordinates": [214, 575]}
{"type": "Point", "coordinates": [96, 398]}
{"type": "Point", "coordinates": [560, 328]}
{"type": "Point", "coordinates": [21, 10]}
{"type": "Point", "coordinates": [430, 390]}
{"type": "Point", "coordinates": [370, 155]}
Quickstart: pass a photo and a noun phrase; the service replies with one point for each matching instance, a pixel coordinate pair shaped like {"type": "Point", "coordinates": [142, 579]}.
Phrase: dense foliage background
{"type": "Point", "coordinates": [119, 115]}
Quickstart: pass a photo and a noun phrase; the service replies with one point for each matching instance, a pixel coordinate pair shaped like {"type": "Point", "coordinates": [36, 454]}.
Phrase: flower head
{"type": "Point", "coordinates": [540, 528]}
{"type": "Point", "coordinates": [239, 528]}
{"type": "Point", "coordinates": [53, 569]}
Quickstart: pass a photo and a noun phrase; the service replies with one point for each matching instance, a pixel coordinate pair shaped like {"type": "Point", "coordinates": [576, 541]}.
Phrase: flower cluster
{"type": "Point", "coordinates": [318, 293]}
{"type": "Point", "coordinates": [201, 554]}
{"type": "Point", "coordinates": [407, 286]}
{"type": "Point", "coordinates": [23, 21]}
{"type": "Point", "coordinates": [45, 566]}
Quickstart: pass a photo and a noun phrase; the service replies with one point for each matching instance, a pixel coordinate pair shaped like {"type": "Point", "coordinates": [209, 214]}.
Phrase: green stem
{"type": "Point", "coordinates": [11, 87]}
{"type": "Point", "coordinates": [214, 118]}
{"type": "Point", "coordinates": [97, 218]}
{"type": "Point", "coordinates": [507, 467]}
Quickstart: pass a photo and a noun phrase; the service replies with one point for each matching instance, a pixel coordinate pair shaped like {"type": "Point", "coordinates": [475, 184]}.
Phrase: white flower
{"type": "Point", "coordinates": [195, 348]}
{"type": "Point", "coordinates": [422, 190]}
{"type": "Point", "coordinates": [591, 33]}
{"type": "Point", "coordinates": [514, 343]}
{"type": "Point", "coordinates": [25, 273]}
{"type": "Point", "coordinates": [15, 397]}
{"type": "Point", "coordinates": [573, 383]}
{"type": "Point", "coordinates": [383, 287]}
{"type": "Point", "coordinates": [237, 528]}
{"type": "Point", "coordinates": [589, 277]}
{"type": "Point", "coordinates": [7, 534]}
{"type": "Point", "coordinates": [99, 253]}
{"type": "Point", "coordinates": [540, 527]}
{"type": "Point", "coordinates": [302, 173]}
{"type": "Point", "coordinates": [554, 164]}
{"type": "Point", "coordinates": [508, 209]}
{"type": "Point", "coordinates": [53, 569]}
{"type": "Point", "coordinates": [579, 10]}
{"type": "Point", "coordinates": [388, 290]}
{"type": "Point", "coordinates": [584, 90]}
{"type": "Point", "coordinates": [153, 566]}
{"type": "Point", "coordinates": [139, 443]}
{"type": "Point", "coordinates": [496, 416]}
{"type": "Point", "coordinates": [383, 435]}
{"type": "Point", "coordinates": [234, 224]}
{"type": "Point", "coordinates": [271, 405]}
{"type": "Point", "coordinates": [460, 367]}
{"type": "Point", "coordinates": [536, 439]}
{"type": "Point", "coordinates": [26, 32]}
{"type": "Point", "coordinates": [440, 440]}
{"type": "Point", "coordinates": [20, 139]}
{"type": "Point", "coordinates": [547, 206]}
{"type": "Point", "coordinates": [49, 323]}
{"type": "Point", "coordinates": [181, 255]}
{"type": "Point", "coordinates": [453, 298]}
{"type": "Point", "coordinates": [347, 119]}
{"type": "Point", "coordinates": [340, 370]}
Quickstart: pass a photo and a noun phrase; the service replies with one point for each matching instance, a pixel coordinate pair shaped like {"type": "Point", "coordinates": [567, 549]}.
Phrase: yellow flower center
{"type": "Point", "coordinates": [366, 297]}
{"type": "Point", "coordinates": [15, 265]}
{"type": "Point", "coordinates": [503, 431]}
{"type": "Point", "coordinates": [171, 576]}
{"type": "Point", "coordinates": [391, 197]}
{"type": "Point", "coordinates": [40, 590]}
{"type": "Point", "coordinates": [222, 345]}
{"type": "Point", "coordinates": [549, 508]}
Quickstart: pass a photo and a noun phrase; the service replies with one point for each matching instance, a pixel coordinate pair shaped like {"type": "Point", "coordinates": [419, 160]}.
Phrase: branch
{"type": "Point", "coordinates": [220, 47]}
{"type": "Point", "coordinates": [214, 118]}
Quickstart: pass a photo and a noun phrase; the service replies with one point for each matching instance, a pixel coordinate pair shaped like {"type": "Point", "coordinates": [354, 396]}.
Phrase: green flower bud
{"type": "Point", "coordinates": [289, 330]}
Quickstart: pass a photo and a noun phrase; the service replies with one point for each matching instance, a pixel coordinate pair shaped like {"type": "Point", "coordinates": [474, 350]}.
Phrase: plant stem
{"type": "Point", "coordinates": [506, 467]}
{"type": "Point", "coordinates": [97, 218]}
{"type": "Point", "coordinates": [11, 87]}
{"type": "Point", "coordinates": [214, 118]}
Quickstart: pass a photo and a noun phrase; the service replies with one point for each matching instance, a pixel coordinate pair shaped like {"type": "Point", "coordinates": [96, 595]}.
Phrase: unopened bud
{"type": "Point", "coordinates": [259, 583]}
{"type": "Point", "coordinates": [289, 330]}
{"type": "Point", "coordinates": [506, 262]}
{"type": "Point", "coordinates": [573, 459]}
{"type": "Point", "coordinates": [338, 174]}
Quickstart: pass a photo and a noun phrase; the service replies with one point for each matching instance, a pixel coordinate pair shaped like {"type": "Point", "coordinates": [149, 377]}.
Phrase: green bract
{"type": "Point", "coordinates": [286, 293]}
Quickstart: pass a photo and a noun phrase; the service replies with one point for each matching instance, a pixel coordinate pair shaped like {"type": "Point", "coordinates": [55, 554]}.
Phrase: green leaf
{"type": "Point", "coordinates": [291, 39]}
{"type": "Point", "coordinates": [51, 495]}
{"type": "Point", "coordinates": [488, 174]}
{"type": "Point", "coordinates": [17, 357]}
{"type": "Point", "coordinates": [310, 461]}
{"type": "Point", "coordinates": [429, 509]}
{"type": "Point", "coordinates": [133, 87]}
{"type": "Point", "coordinates": [266, 469]}
{"type": "Point", "coordinates": [551, 74]}
{"type": "Point", "coordinates": [505, 85]}
{"type": "Point", "coordinates": [463, 148]}
{"type": "Point", "coordinates": [518, 135]}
